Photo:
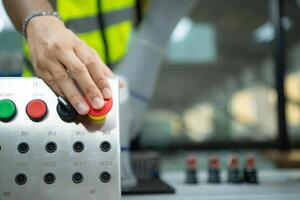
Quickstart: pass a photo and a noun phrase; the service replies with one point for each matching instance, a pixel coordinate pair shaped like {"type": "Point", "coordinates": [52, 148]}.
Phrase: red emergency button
{"type": "Point", "coordinates": [36, 110]}
{"type": "Point", "coordinates": [100, 114]}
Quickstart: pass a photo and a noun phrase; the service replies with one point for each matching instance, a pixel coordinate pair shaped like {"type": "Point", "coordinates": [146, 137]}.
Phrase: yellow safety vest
{"type": "Point", "coordinates": [103, 24]}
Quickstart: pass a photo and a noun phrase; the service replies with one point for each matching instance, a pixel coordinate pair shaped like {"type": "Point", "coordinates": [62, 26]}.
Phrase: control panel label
{"type": "Point", "coordinates": [105, 163]}
{"type": "Point", "coordinates": [5, 195]}
{"type": "Point", "coordinates": [50, 164]}
{"type": "Point", "coordinates": [106, 133]}
{"type": "Point", "coordinates": [38, 84]}
{"type": "Point", "coordinates": [92, 191]}
{"type": "Point", "coordinates": [24, 134]}
{"type": "Point", "coordinates": [79, 133]}
{"type": "Point", "coordinates": [37, 95]}
{"type": "Point", "coordinates": [22, 164]}
{"type": "Point", "coordinates": [51, 133]}
{"type": "Point", "coordinates": [78, 163]}
{"type": "Point", "coordinates": [7, 94]}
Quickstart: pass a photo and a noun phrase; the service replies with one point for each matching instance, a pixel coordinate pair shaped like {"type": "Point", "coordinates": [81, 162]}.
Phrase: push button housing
{"type": "Point", "coordinates": [36, 110]}
{"type": "Point", "coordinates": [8, 110]}
{"type": "Point", "coordinates": [100, 114]}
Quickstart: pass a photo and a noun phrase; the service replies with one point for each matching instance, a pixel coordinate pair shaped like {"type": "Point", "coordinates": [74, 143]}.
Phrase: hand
{"type": "Point", "coordinates": [63, 61]}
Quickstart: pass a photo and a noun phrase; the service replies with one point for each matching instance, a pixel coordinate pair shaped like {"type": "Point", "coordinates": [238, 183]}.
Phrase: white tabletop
{"type": "Point", "coordinates": [274, 185]}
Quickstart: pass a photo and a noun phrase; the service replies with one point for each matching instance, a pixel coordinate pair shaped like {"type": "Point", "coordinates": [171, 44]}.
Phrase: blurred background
{"type": "Point", "coordinates": [217, 85]}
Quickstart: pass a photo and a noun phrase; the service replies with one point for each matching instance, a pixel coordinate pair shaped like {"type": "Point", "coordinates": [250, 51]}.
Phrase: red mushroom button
{"type": "Point", "coordinates": [100, 114]}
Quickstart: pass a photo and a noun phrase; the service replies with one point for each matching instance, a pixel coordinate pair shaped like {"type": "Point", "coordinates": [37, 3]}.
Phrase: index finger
{"type": "Point", "coordinates": [95, 67]}
{"type": "Point", "coordinates": [83, 78]}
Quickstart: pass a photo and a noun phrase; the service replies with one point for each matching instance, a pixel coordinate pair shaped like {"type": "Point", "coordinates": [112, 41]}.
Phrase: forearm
{"type": "Point", "coordinates": [18, 10]}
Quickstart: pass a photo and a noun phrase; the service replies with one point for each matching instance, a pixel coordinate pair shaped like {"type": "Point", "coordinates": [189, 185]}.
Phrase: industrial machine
{"type": "Point", "coordinates": [48, 152]}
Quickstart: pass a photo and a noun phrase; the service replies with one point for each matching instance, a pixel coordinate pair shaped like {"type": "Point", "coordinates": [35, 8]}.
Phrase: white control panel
{"type": "Point", "coordinates": [49, 152]}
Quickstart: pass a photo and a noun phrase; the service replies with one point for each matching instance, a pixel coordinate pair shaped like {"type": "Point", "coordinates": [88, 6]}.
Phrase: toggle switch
{"type": "Point", "coordinates": [100, 114]}
{"type": "Point", "coordinates": [36, 110]}
{"type": "Point", "coordinates": [8, 110]}
{"type": "Point", "coordinates": [65, 110]}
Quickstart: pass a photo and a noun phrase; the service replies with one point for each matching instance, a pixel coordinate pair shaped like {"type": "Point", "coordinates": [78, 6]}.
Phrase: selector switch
{"type": "Point", "coordinates": [8, 110]}
{"type": "Point", "coordinates": [100, 114]}
{"type": "Point", "coordinates": [36, 110]}
{"type": "Point", "coordinates": [65, 110]}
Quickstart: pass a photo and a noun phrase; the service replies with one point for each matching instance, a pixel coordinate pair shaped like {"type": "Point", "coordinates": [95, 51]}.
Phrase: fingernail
{"type": "Point", "coordinates": [106, 92]}
{"type": "Point", "coordinates": [82, 108]}
{"type": "Point", "coordinates": [97, 102]}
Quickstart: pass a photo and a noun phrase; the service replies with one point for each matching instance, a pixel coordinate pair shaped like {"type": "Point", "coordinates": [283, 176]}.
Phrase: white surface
{"type": "Point", "coordinates": [274, 185]}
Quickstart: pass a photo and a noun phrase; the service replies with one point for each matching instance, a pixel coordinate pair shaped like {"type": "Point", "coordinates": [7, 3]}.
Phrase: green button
{"type": "Point", "coordinates": [7, 110]}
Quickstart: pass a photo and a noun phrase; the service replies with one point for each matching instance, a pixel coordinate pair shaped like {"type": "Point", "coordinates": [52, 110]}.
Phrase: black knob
{"type": "Point", "coordinates": [105, 177]}
{"type": "Point", "coordinates": [77, 177]}
{"type": "Point", "coordinates": [23, 147]}
{"type": "Point", "coordinates": [105, 146]}
{"type": "Point", "coordinates": [78, 146]}
{"type": "Point", "coordinates": [51, 147]}
{"type": "Point", "coordinates": [49, 178]}
{"type": "Point", "coordinates": [65, 110]}
{"type": "Point", "coordinates": [21, 179]}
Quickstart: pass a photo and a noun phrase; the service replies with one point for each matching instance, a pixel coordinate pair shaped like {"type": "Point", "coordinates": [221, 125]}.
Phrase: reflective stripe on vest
{"type": "Point", "coordinates": [81, 16]}
{"type": "Point", "coordinates": [87, 24]}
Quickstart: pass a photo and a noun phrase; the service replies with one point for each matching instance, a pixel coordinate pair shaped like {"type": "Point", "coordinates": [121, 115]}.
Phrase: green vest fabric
{"type": "Point", "coordinates": [105, 25]}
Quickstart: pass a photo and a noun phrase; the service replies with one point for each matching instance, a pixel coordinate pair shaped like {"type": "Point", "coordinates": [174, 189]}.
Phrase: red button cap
{"type": "Point", "coordinates": [250, 161]}
{"type": "Point", "coordinates": [36, 110]}
{"type": "Point", "coordinates": [214, 162]}
{"type": "Point", "coordinates": [108, 103]}
{"type": "Point", "coordinates": [233, 161]}
{"type": "Point", "coordinates": [191, 162]}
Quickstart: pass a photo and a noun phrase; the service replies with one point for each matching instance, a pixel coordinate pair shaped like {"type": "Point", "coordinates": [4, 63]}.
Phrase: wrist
{"type": "Point", "coordinates": [40, 23]}
{"type": "Point", "coordinates": [35, 17]}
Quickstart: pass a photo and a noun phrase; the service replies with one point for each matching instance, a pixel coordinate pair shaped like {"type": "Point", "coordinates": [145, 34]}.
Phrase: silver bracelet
{"type": "Point", "coordinates": [36, 14]}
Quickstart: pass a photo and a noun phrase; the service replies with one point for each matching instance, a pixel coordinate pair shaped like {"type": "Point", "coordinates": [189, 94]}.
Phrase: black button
{"type": "Point", "coordinates": [77, 177]}
{"type": "Point", "coordinates": [105, 177]}
{"type": "Point", "coordinates": [23, 147]}
{"type": "Point", "coordinates": [49, 178]}
{"type": "Point", "coordinates": [65, 110]}
{"type": "Point", "coordinates": [78, 146]}
{"type": "Point", "coordinates": [21, 179]}
{"type": "Point", "coordinates": [105, 146]}
{"type": "Point", "coordinates": [51, 147]}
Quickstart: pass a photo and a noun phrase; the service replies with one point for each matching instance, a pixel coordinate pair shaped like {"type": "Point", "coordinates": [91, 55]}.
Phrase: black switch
{"type": "Point", "coordinates": [191, 171]}
{"type": "Point", "coordinates": [65, 110]}
{"type": "Point", "coordinates": [234, 174]}
{"type": "Point", "coordinates": [214, 169]}
{"type": "Point", "coordinates": [250, 172]}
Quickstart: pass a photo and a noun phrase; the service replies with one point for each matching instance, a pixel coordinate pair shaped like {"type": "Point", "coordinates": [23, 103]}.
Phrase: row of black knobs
{"type": "Point", "coordinates": [50, 178]}
{"type": "Point", "coordinates": [51, 147]}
